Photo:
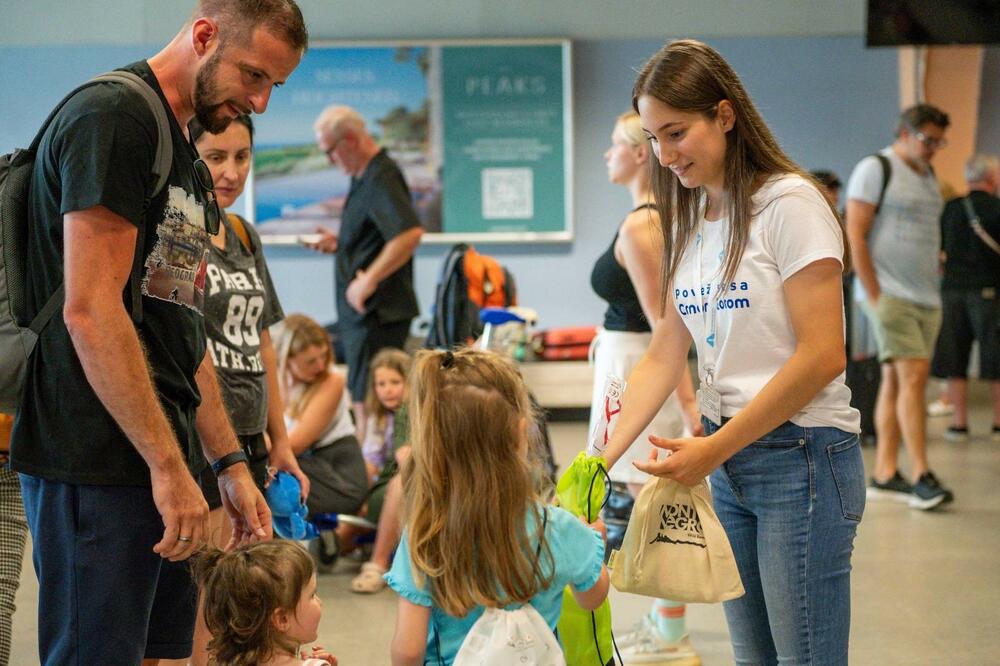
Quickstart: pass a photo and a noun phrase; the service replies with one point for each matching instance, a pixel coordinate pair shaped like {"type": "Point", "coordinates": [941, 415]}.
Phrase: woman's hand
{"type": "Point", "coordinates": [690, 460]}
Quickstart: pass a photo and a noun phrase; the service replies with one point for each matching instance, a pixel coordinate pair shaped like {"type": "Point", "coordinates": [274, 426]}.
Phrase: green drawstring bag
{"type": "Point", "coordinates": [585, 635]}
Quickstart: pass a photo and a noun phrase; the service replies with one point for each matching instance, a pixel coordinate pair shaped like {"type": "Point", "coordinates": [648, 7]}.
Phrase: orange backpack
{"type": "Point", "coordinates": [487, 281]}
{"type": "Point", "coordinates": [469, 282]}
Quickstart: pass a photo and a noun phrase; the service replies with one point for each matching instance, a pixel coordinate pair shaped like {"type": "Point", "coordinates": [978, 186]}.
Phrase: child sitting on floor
{"type": "Point", "coordinates": [386, 392]}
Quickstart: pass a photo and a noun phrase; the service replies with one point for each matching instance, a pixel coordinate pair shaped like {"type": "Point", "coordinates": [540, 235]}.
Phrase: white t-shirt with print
{"type": "Point", "coordinates": [905, 237]}
{"type": "Point", "coordinates": [793, 227]}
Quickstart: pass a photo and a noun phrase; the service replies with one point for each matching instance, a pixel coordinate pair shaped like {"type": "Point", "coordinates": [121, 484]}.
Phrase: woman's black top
{"type": "Point", "coordinates": [611, 282]}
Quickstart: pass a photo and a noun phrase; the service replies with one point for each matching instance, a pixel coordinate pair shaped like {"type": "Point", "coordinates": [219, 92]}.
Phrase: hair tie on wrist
{"type": "Point", "coordinates": [447, 360]}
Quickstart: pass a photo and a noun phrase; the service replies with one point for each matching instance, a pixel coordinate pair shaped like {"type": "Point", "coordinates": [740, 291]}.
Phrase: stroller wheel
{"type": "Point", "coordinates": [329, 550]}
{"type": "Point", "coordinates": [324, 551]}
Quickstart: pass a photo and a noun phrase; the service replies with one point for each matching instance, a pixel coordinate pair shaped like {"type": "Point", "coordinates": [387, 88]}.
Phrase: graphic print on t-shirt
{"type": "Point", "coordinates": [240, 349]}
{"type": "Point", "coordinates": [691, 301]}
{"type": "Point", "coordinates": [701, 299]}
{"type": "Point", "coordinates": [175, 269]}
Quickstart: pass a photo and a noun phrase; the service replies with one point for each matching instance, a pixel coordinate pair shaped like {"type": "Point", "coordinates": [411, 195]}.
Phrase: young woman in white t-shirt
{"type": "Point", "coordinates": [752, 275]}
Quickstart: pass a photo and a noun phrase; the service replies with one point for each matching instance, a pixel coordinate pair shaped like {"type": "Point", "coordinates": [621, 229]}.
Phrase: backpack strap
{"type": "Point", "coordinates": [886, 175]}
{"type": "Point", "coordinates": [241, 231]}
{"type": "Point", "coordinates": [164, 147]}
{"type": "Point", "coordinates": [977, 227]}
{"type": "Point", "coordinates": [161, 169]}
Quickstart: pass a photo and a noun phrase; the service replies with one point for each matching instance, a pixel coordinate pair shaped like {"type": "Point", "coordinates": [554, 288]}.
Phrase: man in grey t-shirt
{"type": "Point", "coordinates": [893, 230]}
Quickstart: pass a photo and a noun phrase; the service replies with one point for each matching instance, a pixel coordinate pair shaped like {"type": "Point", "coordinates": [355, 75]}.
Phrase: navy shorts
{"type": "Point", "coordinates": [361, 343]}
{"type": "Point", "coordinates": [104, 596]}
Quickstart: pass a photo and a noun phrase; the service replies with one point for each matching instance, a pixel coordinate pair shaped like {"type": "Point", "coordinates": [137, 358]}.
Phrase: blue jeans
{"type": "Point", "coordinates": [790, 504]}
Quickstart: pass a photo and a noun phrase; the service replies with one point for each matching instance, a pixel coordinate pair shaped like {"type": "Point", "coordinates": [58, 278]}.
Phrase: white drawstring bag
{"type": "Point", "coordinates": [675, 547]}
{"type": "Point", "coordinates": [510, 638]}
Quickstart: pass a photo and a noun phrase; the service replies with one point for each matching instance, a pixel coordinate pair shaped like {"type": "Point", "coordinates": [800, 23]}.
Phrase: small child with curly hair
{"type": "Point", "coordinates": [260, 605]}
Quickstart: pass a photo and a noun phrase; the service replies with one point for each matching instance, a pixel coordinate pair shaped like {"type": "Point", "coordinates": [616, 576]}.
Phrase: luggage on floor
{"type": "Point", "coordinates": [566, 344]}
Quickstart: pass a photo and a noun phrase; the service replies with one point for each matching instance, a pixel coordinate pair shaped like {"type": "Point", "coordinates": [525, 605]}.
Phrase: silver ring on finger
{"type": "Point", "coordinates": [184, 538]}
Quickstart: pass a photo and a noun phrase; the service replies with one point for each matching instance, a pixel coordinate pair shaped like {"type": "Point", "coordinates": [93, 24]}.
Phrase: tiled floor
{"type": "Point", "coordinates": [926, 585]}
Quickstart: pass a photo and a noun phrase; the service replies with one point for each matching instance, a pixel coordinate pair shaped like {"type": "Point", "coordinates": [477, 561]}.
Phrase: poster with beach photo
{"type": "Point", "coordinates": [295, 188]}
{"type": "Point", "coordinates": [480, 130]}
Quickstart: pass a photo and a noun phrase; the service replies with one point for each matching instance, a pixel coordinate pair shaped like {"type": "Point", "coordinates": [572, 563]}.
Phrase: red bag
{"type": "Point", "coordinates": [567, 344]}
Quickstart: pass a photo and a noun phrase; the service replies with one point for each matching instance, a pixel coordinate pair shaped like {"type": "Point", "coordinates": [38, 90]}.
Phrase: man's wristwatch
{"type": "Point", "coordinates": [229, 460]}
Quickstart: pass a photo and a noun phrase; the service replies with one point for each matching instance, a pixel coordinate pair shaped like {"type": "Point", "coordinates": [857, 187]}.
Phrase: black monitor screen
{"type": "Point", "coordinates": [901, 22]}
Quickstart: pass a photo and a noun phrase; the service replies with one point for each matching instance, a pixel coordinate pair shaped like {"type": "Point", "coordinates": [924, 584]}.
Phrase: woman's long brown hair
{"type": "Point", "coordinates": [469, 485]}
{"type": "Point", "coordinates": [690, 76]}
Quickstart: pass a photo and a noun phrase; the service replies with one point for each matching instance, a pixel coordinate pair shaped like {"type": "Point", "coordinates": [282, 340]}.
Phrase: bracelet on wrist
{"type": "Point", "coordinates": [229, 460]}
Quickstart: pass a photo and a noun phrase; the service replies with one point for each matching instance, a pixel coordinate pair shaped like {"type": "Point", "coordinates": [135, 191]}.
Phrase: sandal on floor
{"type": "Point", "coordinates": [369, 580]}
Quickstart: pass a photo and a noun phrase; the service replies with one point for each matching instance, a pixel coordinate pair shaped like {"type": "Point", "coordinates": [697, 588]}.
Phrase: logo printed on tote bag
{"type": "Point", "coordinates": [682, 522]}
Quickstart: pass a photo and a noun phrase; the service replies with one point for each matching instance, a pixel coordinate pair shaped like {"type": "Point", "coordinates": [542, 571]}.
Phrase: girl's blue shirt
{"type": "Point", "coordinates": [578, 552]}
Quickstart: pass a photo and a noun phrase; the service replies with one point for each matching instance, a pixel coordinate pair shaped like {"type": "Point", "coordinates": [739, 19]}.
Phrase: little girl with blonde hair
{"type": "Point", "coordinates": [477, 535]}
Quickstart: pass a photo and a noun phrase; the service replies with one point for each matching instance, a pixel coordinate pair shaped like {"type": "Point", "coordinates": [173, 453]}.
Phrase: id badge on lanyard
{"type": "Point", "coordinates": [709, 398]}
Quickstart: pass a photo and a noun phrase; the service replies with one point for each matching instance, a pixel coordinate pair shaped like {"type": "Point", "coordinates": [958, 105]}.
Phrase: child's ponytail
{"type": "Point", "coordinates": [204, 564]}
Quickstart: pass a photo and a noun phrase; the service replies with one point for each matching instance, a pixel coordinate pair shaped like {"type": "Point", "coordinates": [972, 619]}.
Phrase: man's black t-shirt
{"type": "Point", "coordinates": [99, 151]}
{"type": "Point", "coordinates": [970, 263]}
{"type": "Point", "coordinates": [378, 209]}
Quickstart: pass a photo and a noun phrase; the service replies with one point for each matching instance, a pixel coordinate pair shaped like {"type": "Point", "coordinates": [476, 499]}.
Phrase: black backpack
{"type": "Point", "coordinates": [469, 281]}
{"type": "Point", "coordinates": [19, 329]}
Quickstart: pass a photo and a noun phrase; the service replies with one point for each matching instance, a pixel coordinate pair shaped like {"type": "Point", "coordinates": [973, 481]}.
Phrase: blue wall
{"type": "Point", "coordinates": [828, 99]}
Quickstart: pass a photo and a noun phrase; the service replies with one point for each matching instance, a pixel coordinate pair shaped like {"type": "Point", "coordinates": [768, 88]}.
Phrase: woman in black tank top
{"type": "Point", "coordinates": [627, 276]}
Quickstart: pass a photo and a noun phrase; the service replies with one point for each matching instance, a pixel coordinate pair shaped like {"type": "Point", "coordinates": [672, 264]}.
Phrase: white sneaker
{"type": "Point", "coordinates": [940, 408]}
{"type": "Point", "coordinates": [642, 645]}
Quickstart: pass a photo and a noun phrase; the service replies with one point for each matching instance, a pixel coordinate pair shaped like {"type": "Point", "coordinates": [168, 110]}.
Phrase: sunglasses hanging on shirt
{"type": "Point", "coordinates": [213, 214]}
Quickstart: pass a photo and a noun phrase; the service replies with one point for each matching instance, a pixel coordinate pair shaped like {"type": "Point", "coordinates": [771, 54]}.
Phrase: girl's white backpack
{"type": "Point", "coordinates": [510, 638]}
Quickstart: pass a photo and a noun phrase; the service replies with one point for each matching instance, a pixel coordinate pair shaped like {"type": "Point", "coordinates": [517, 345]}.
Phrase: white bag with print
{"type": "Point", "coordinates": [675, 547]}
{"type": "Point", "coordinates": [510, 638]}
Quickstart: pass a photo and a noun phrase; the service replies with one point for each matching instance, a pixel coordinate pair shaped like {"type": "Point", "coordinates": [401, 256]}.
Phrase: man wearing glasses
{"type": "Point", "coordinates": [121, 403]}
{"type": "Point", "coordinates": [379, 232]}
{"type": "Point", "coordinates": [894, 204]}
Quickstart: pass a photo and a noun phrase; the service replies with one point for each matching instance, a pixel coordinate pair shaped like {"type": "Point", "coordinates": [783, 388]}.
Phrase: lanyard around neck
{"type": "Point", "coordinates": [707, 306]}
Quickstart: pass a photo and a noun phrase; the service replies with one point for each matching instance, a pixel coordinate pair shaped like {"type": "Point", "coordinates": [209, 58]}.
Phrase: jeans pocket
{"type": "Point", "coordinates": [848, 471]}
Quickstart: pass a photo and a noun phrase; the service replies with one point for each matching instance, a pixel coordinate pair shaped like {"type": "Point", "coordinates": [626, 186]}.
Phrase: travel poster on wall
{"type": "Point", "coordinates": [295, 187]}
{"type": "Point", "coordinates": [480, 131]}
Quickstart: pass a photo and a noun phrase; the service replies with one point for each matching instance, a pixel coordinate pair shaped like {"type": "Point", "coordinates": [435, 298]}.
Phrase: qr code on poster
{"type": "Point", "coordinates": [508, 194]}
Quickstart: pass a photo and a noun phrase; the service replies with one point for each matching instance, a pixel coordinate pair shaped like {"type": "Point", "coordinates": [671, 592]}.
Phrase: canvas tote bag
{"type": "Point", "coordinates": [675, 547]}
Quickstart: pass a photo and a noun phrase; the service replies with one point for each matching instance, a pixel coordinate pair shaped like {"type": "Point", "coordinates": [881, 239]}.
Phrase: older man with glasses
{"type": "Point", "coordinates": [379, 232]}
{"type": "Point", "coordinates": [894, 204]}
